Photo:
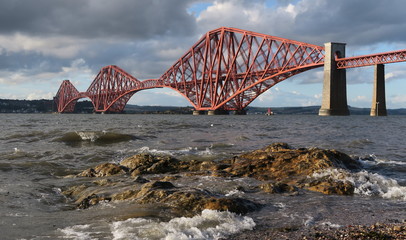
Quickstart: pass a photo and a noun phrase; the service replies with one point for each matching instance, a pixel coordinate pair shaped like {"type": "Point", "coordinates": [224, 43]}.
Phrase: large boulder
{"type": "Point", "coordinates": [281, 163]}
{"type": "Point", "coordinates": [186, 201]}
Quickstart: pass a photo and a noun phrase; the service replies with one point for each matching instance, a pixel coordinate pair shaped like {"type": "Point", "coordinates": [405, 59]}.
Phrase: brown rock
{"type": "Point", "coordinates": [193, 201]}
{"type": "Point", "coordinates": [92, 200]}
{"type": "Point", "coordinates": [327, 185]}
{"type": "Point", "coordinates": [187, 201]}
{"type": "Point", "coordinates": [208, 166]}
{"type": "Point", "coordinates": [278, 187]}
{"type": "Point", "coordinates": [138, 160]}
{"type": "Point", "coordinates": [139, 179]}
{"type": "Point", "coordinates": [279, 162]}
{"type": "Point", "coordinates": [158, 184]}
{"type": "Point", "coordinates": [154, 192]}
{"type": "Point", "coordinates": [103, 170]}
{"type": "Point", "coordinates": [74, 190]}
{"type": "Point", "coordinates": [126, 195]}
{"type": "Point", "coordinates": [170, 178]}
{"type": "Point", "coordinates": [236, 205]}
{"type": "Point", "coordinates": [285, 169]}
{"type": "Point", "coordinates": [150, 164]}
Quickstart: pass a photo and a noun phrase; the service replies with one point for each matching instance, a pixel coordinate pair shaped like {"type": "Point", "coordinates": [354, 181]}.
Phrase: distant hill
{"type": "Point", "coordinates": [39, 106]}
{"type": "Point", "coordinates": [25, 106]}
{"type": "Point", "coordinates": [48, 106]}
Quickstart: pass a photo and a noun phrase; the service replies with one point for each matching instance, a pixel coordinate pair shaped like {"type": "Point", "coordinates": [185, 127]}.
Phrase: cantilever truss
{"type": "Point", "coordinates": [228, 68]}
{"type": "Point", "coordinates": [66, 97]}
{"type": "Point", "coordinates": [112, 88]}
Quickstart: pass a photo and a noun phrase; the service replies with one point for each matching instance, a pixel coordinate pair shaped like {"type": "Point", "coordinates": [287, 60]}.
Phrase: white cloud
{"type": "Point", "coordinates": [398, 100]}
{"type": "Point", "coordinates": [360, 99]}
{"type": "Point", "coordinates": [278, 97]}
{"type": "Point", "coordinates": [155, 97]}
{"type": "Point", "coordinates": [40, 95]}
{"type": "Point", "coordinates": [55, 46]}
{"type": "Point", "coordinates": [76, 69]}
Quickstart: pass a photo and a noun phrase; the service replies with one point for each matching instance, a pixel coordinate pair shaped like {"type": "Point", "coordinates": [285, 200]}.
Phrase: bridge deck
{"type": "Point", "coordinates": [372, 59]}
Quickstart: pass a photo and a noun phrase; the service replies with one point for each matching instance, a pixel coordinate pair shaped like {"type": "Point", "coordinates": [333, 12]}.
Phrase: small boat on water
{"type": "Point", "coordinates": [269, 112]}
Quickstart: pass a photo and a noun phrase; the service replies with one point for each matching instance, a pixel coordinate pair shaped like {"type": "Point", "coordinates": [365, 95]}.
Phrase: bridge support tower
{"type": "Point", "coordinates": [378, 107]}
{"type": "Point", "coordinates": [240, 112]}
{"type": "Point", "coordinates": [334, 100]}
{"type": "Point", "coordinates": [198, 112]}
{"type": "Point", "coordinates": [218, 112]}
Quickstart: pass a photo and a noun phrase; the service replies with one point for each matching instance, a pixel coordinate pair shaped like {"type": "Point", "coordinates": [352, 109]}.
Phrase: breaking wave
{"type": "Point", "coordinates": [101, 137]}
{"type": "Point", "coordinates": [367, 183]}
{"type": "Point", "coordinates": [178, 152]}
{"type": "Point", "coordinates": [210, 224]}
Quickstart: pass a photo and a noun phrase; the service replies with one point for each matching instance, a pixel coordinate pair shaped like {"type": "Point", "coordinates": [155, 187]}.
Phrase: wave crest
{"type": "Point", "coordinates": [210, 224]}
{"type": "Point", "coordinates": [367, 183]}
{"type": "Point", "coordinates": [101, 137]}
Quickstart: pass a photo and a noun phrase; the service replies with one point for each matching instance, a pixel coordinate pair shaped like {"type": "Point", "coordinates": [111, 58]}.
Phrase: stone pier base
{"type": "Point", "coordinates": [218, 112]}
{"type": "Point", "coordinates": [378, 107]}
{"type": "Point", "coordinates": [240, 112]}
{"type": "Point", "coordinates": [197, 112]}
{"type": "Point", "coordinates": [335, 83]}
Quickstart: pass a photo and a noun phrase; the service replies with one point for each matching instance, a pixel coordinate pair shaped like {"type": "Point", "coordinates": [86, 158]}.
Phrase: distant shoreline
{"type": "Point", "coordinates": [48, 106]}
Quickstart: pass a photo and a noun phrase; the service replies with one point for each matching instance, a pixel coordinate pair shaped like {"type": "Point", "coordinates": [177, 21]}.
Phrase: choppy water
{"type": "Point", "coordinates": [37, 151]}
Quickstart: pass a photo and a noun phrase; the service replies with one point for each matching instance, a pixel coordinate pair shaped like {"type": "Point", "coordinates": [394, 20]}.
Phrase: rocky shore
{"type": "Point", "coordinates": [170, 183]}
{"type": "Point", "coordinates": [394, 231]}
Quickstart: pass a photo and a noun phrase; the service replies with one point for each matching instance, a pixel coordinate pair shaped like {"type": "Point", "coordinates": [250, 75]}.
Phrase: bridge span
{"type": "Point", "coordinates": [228, 68]}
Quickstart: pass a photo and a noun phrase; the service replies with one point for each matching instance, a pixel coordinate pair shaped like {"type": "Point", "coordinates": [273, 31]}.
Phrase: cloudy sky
{"type": "Point", "coordinates": [43, 42]}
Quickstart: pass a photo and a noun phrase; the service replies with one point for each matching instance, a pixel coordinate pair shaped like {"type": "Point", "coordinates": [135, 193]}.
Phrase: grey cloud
{"type": "Point", "coordinates": [354, 22]}
{"type": "Point", "coordinates": [136, 19]}
{"type": "Point", "coordinates": [36, 62]}
{"type": "Point", "coordinates": [359, 22]}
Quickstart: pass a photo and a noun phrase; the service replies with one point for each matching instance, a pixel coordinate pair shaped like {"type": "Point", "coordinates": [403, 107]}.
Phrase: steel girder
{"type": "Point", "coordinates": [373, 59]}
{"type": "Point", "coordinates": [66, 97]}
{"type": "Point", "coordinates": [228, 68]}
{"type": "Point", "coordinates": [112, 88]}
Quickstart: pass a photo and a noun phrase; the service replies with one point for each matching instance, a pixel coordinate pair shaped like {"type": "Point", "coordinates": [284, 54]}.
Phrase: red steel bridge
{"type": "Point", "coordinates": [226, 69]}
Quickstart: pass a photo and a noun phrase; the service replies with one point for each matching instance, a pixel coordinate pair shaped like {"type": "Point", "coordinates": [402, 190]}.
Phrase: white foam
{"type": "Point", "coordinates": [235, 193]}
{"type": "Point", "coordinates": [210, 224]}
{"type": "Point", "coordinates": [77, 232]}
{"type": "Point", "coordinates": [17, 214]}
{"type": "Point", "coordinates": [183, 151]}
{"type": "Point", "coordinates": [373, 160]}
{"type": "Point", "coordinates": [280, 205]}
{"type": "Point", "coordinates": [309, 221]}
{"type": "Point", "coordinates": [366, 183]}
{"type": "Point", "coordinates": [330, 225]}
{"type": "Point", "coordinates": [89, 135]}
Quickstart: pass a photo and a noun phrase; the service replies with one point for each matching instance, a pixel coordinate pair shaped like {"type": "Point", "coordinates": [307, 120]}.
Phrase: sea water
{"type": "Point", "coordinates": [38, 151]}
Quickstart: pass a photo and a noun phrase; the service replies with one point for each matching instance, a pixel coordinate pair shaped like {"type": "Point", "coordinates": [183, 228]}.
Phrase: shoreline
{"type": "Point", "coordinates": [375, 231]}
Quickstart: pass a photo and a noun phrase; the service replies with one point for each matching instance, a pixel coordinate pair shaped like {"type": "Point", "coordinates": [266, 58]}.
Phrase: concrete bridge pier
{"type": "Point", "coordinates": [198, 112]}
{"type": "Point", "coordinates": [378, 107]}
{"type": "Point", "coordinates": [334, 100]}
{"type": "Point", "coordinates": [240, 112]}
{"type": "Point", "coordinates": [218, 112]}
